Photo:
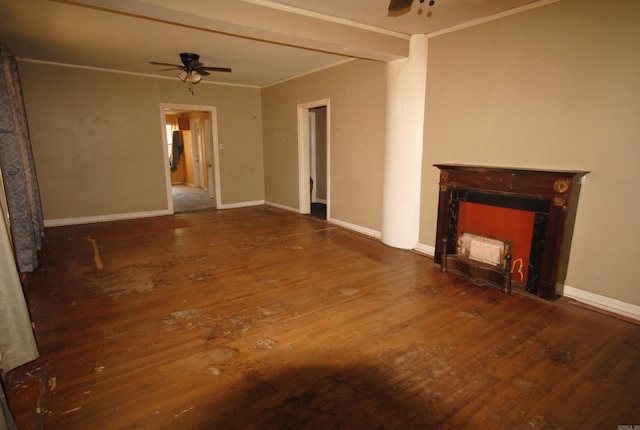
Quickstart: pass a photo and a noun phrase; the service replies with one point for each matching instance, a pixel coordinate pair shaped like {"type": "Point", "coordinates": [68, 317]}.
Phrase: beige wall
{"type": "Point", "coordinates": [356, 120]}
{"type": "Point", "coordinates": [97, 139]}
{"type": "Point", "coordinates": [553, 87]}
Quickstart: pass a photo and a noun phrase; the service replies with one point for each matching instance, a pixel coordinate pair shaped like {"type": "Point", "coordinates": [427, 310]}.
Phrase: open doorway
{"type": "Point", "coordinates": [190, 136]}
{"type": "Point", "coordinates": [318, 161]}
{"type": "Point", "coordinates": [313, 150]}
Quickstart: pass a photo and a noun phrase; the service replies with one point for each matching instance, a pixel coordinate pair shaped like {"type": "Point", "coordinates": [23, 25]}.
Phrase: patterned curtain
{"type": "Point", "coordinates": [17, 341]}
{"type": "Point", "coordinates": [18, 169]}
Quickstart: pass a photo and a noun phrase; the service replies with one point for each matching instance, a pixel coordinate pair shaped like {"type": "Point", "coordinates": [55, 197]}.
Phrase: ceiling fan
{"type": "Point", "coordinates": [191, 70]}
{"type": "Point", "coordinates": [398, 5]}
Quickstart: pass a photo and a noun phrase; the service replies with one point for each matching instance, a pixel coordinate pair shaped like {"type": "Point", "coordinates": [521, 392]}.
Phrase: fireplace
{"type": "Point", "coordinates": [534, 210]}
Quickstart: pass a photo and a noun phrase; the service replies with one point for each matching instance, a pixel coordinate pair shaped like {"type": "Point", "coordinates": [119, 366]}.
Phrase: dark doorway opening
{"type": "Point", "coordinates": [319, 210]}
{"type": "Point", "coordinates": [318, 161]}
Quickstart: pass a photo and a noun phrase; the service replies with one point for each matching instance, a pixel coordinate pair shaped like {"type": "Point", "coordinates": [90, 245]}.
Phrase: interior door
{"type": "Point", "coordinates": [208, 151]}
{"type": "Point", "coordinates": [198, 153]}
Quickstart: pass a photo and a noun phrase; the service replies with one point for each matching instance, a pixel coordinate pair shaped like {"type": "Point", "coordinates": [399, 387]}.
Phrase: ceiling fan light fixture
{"type": "Point", "coordinates": [183, 75]}
{"type": "Point", "coordinates": [195, 77]}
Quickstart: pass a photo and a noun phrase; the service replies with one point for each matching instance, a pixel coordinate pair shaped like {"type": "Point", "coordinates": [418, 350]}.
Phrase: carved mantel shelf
{"type": "Point", "coordinates": [551, 194]}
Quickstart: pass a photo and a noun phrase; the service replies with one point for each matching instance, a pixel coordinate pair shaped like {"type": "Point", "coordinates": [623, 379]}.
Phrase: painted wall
{"type": "Point", "coordinates": [97, 139]}
{"type": "Point", "coordinates": [356, 139]}
{"type": "Point", "coordinates": [553, 87]}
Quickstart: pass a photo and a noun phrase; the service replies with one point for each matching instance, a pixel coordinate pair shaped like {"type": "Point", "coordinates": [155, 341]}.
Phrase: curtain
{"type": "Point", "coordinates": [18, 169]}
{"type": "Point", "coordinates": [21, 226]}
{"type": "Point", "coordinates": [17, 342]}
{"type": "Point", "coordinates": [6, 419]}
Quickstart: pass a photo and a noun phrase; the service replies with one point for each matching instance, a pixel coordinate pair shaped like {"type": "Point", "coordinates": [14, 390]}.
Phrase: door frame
{"type": "Point", "coordinates": [304, 144]}
{"type": "Point", "coordinates": [213, 168]}
{"type": "Point", "coordinates": [312, 153]}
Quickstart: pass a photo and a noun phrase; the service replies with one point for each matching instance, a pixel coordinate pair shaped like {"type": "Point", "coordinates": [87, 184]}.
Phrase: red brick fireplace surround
{"type": "Point", "coordinates": [502, 202]}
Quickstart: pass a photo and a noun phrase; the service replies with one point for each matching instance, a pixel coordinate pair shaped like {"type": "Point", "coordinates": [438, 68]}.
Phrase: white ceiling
{"type": "Point", "coordinates": [263, 41]}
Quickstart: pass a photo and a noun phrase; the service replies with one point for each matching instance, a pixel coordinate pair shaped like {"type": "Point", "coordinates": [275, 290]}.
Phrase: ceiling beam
{"type": "Point", "coordinates": [258, 21]}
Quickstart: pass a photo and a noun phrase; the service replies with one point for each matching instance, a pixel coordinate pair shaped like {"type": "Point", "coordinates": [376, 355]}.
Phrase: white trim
{"type": "Point", "coordinates": [213, 112]}
{"type": "Point", "coordinates": [216, 157]}
{"type": "Point", "coordinates": [167, 168]}
{"type": "Point", "coordinates": [304, 197]}
{"type": "Point", "coordinates": [353, 227]}
{"type": "Point", "coordinates": [425, 249]}
{"type": "Point", "coordinates": [279, 206]}
{"type": "Point", "coordinates": [602, 302]}
{"type": "Point", "coordinates": [199, 156]}
{"type": "Point", "coordinates": [493, 17]}
{"type": "Point", "coordinates": [346, 225]}
{"type": "Point", "coordinates": [242, 204]}
{"type": "Point", "coordinates": [312, 152]}
{"type": "Point", "coordinates": [104, 218]}
{"type": "Point", "coordinates": [209, 151]}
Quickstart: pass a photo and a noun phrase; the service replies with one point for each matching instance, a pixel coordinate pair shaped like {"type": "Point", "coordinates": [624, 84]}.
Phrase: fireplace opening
{"type": "Point", "coordinates": [520, 219]}
{"type": "Point", "coordinates": [515, 225]}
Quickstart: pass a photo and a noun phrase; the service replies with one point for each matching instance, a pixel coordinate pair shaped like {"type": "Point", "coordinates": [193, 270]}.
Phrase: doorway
{"type": "Point", "coordinates": [190, 143]}
{"type": "Point", "coordinates": [313, 153]}
{"type": "Point", "coordinates": [318, 161]}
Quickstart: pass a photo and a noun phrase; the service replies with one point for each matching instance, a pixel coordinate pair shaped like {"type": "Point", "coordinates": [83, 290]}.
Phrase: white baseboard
{"type": "Point", "coordinates": [347, 226]}
{"type": "Point", "coordinates": [602, 302]}
{"type": "Point", "coordinates": [242, 204]}
{"type": "Point", "coordinates": [133, 215]}
{"type": "Point", "coordinates": [356, 228]}
{"type": "Point", "coordinates": [286, 208]}
{"type": "Point", "coordinates": [426, 249]}
{"type": "Point", "coordinates": [103, 218]}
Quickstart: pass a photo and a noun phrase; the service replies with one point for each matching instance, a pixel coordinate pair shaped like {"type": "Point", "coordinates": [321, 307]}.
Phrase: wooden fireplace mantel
{"type": "Point", "coordinates": [551, 194]}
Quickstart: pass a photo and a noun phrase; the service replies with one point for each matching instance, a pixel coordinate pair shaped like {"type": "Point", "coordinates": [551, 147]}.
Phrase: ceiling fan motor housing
{"type": "Point", "coordinates": [190, 60]}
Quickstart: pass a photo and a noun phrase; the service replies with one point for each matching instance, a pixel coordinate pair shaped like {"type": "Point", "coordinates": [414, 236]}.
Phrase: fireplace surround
{"type": "Point", "coordinates": [550, 195]}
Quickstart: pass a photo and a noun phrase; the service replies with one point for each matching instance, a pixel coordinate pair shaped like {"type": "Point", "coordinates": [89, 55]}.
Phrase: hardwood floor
{"type": "Point", "coordinates": [260, 318]}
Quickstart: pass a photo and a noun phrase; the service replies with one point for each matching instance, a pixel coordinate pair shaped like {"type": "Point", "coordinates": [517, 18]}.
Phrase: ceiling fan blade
{"type": "Point", "coordinates": [201, 71]}
{"type": "Point", "coordinates": [170, 69]}
{"type": "Point", "coordinates": [155, 63]}
{"type": "Point", "coordinates": [397, 5]}
{"type": "Point", "coordinates": [215, 69]}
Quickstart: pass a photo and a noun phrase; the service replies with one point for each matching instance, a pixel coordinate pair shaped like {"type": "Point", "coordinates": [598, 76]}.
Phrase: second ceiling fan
{"type": "Point", "coordinates": [398, 5]}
